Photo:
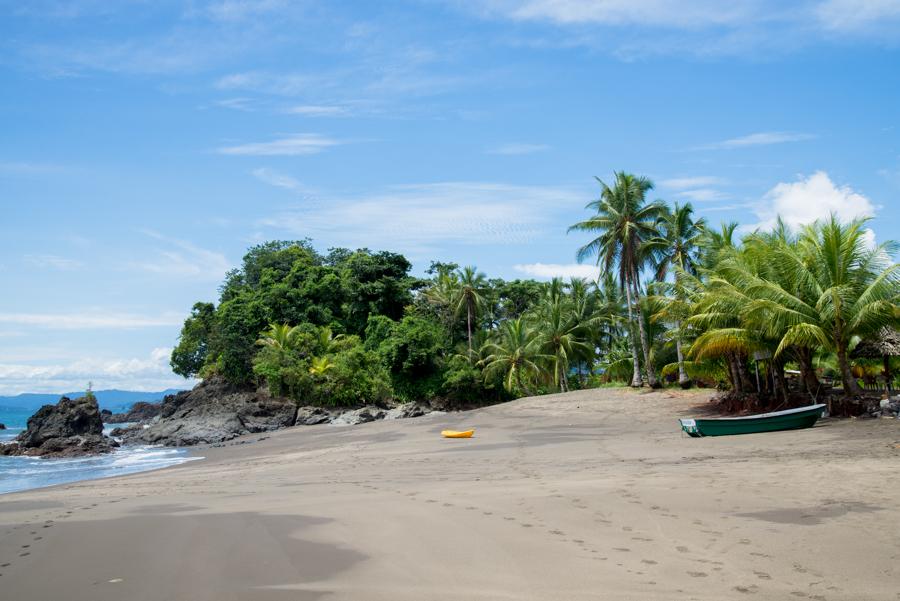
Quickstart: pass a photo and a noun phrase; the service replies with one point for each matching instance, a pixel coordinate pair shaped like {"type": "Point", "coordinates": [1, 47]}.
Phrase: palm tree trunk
{"type": "Point", "coordinates": [636, 381]}
{"type": "Point", "coordinates": [683, 380]}
{"type": "Point", "coordinates": [645, 345]}
{"type": "Point", "coordinates": [733, 372]}
{"type": "Point", "coordinates": [563, 379]}
{"type": "Point", "coordinates": [521, 384]}
{"type": "Point", "coordinates": [851, 386]}
{"type": "Point", "coordinates": [807, 371]}
{"type": "Point", "coordinates": [469, 324]}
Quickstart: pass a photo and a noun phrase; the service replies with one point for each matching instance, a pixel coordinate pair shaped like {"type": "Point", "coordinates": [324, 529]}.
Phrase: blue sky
{"type": "Point", "coordinates": [145, 145]}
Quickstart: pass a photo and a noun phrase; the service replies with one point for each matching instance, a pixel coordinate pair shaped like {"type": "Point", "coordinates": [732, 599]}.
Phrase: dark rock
{"type": "Point", "coordinates": [359, 416]}
{"type": "Point", "coordinates": [312, 416]}
{"type": "Point", "coordinates": [214, 411]}
{"type": "Point", "coordinates": [2, 426]}
{"type": "Point", "coordinates": [407, 410]}
{"type": "Point", "coordinates": [71, 428]}
{"type": "Point", "coordinates": [139, 412]}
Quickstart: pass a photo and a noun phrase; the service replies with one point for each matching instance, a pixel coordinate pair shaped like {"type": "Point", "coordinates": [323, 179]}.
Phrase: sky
{"type": "Point", "coordinates": [145, 145]}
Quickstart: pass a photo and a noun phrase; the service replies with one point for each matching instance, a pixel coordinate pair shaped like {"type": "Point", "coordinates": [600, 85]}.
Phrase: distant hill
{"type": "Point", "coordinates": [114, 400]}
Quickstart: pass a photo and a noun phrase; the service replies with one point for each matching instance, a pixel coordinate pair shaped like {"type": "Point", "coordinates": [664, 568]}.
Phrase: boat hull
{"type": "Point", "coordinates": [792, 419]}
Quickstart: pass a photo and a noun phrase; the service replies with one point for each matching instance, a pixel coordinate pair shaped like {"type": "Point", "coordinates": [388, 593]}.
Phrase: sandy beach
{"type": "Point", "coordinates": [589, 495]}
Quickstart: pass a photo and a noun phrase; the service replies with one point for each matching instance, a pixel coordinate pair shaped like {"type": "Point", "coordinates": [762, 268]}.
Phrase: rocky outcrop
{"type": "Point", "coordinates": [359, 416]}
{"type": "Point", "coordinates": [71, 428]}
{"type": "Point", "coordinates": [2, 426]}
{"type": "Point", "coordinates": [139, 412]}
{"type": "Point", "coordinates": [214, 411]}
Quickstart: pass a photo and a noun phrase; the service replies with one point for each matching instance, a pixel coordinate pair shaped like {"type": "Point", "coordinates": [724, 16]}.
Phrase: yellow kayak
{"type": "Point", "coordinates": [457, 434]}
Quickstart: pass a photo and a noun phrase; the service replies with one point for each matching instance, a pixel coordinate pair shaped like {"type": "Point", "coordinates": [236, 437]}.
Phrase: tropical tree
{"type": "Point", "coordinates": [469, 296]}
{"type": "Point", "coordinates": [517, 356]}
{"type": "Point", "coordinates": [677, 241]}
{"type": "Point", "coordinates": [625, 223]}
{"type": "Point", "coordinates": [562, 336]}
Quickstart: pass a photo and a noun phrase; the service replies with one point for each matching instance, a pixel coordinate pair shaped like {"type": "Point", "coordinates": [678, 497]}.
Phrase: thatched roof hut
{"type": "Point", "coordinates": [885, 344]}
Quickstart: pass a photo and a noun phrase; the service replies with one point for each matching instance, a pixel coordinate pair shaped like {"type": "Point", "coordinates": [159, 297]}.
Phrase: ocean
{"type": "Point", "coordinates": [24, 473]}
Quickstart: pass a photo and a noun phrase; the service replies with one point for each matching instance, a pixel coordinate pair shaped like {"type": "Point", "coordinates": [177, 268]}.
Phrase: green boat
{"type": "Point", "coordinates": [789, 419]}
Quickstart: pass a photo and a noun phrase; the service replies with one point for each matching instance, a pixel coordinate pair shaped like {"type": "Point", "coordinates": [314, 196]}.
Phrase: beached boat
{"type": "Point", "coordinates": [457, 434]}
{"type": "Point", "coordinates": [789, 419]}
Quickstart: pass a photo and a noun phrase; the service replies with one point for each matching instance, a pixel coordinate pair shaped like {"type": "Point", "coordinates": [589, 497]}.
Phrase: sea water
{"type": "Point", "coordinates": [23, 473]}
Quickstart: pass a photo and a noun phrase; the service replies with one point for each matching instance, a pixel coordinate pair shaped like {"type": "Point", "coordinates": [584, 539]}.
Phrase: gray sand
{"type": "Point", "coordinates": [590, 495]}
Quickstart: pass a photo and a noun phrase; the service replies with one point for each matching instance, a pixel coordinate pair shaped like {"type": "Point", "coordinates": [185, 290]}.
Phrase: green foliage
{"type": "Point", "coordinates": [189, 355]}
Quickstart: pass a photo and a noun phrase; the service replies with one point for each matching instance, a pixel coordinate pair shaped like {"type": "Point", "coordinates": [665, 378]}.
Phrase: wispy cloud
{"type": "Point", "coordinates": [237, 104]}
{"type": "Point", "coordinates": [548, 271]}
{"type": "Point", "coordinates": [92, 320]}
{"type": "Point", "coordinates": [758, 139]}
{"type": "Point", "coordinates": [696, 181]}
{"type": "Point", "coordinates": [517, 149]}
{"type": "Point", "coordinates": [180, 258]}
{"type": "Point", "coordinates": [292, 145]}
{"type": "Point", "coordinates": [280, 180]}
{"type": "Point", "coordinates": [318, 110]}
{"type": "Point", "coordinates": [418, 218]}
{"type": "Point", "coordinates": [53, 262]}
{"type": "Point", "coordinates": [855, 15]}
{"type": "Point", "coordinates": [703, 195]}
{"type": "Point", "coordinates": [28, 168]}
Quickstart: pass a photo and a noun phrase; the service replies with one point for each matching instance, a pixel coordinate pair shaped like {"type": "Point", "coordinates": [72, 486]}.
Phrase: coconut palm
{"type": "Point", "coordinates": [517, 355]}
{"type": "Point", "coordinates": [562, 337]}
{"type": "Point", "coordinates": [677, 242]}
{"type": "Point", "coordinates": [625, 223]}
{"type": "Point", "coordinates": [843, 288]}
{"type": "Point", "coordinates": [469, 296]}
{"type": "Point", "coordinates": [280, 337]}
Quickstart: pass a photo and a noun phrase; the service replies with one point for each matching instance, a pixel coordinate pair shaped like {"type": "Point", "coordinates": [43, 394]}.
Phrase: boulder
{"type": "Point", "coordinates": [406, 410]}
{"type": "Point", "coordinates": [71, 428]}
{"type": "Point", "coordinates": [312, 416]}
{"type": "Point", "coordinates": [140, 412]}
{"type": "Point", "coordinates": [359, 416]}
{"type": "Point", "coordinates": [214, 411]}
{"type": "Point", "coordinates": [2, 426]}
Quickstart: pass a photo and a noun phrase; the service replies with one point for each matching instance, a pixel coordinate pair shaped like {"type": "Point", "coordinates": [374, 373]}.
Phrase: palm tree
{"type": "Point", "coordinates": [675, 307]}
{"type": "Point", "coordinates": [625, 222]}
{"type": "Point", "coordinates": [318, 366]}
{"type": "Point", "coordinates": [676, 247]}
{"type": "Point", "coordinates": [280, 337]}
{"type": "Point", "coordinates": [677, 244]}
{"type": "Point", "coordinates": [469, 295]}
{"type": "Point", "coordinates": [562, 337]}
{"type": "Point", "coordinates": [843, 289]}
{"type": "Point", "coordinates": [517, 355]}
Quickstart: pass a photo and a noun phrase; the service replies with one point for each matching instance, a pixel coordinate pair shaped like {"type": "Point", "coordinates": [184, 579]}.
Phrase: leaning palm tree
{"type": "Point", "coordinates": [469, 296]}
{"type": "Point", "coordinates": [517, 355]}
{"type": "Point", "coordinates": [625, 222]}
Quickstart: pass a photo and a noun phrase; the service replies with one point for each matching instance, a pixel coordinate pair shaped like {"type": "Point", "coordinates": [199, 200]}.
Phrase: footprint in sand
{"type": "Point", "coordinates": [697, 574]}
{"type": "Point", "coordinates": [746, 589]}
{"type": "Point", "coordinates": [622, 549]}
{"type": "Point", "coordinates": [649, 562]}
{"type": "Point", "coordinates": [682, 549]}
{"type": "Point", "coordinates": [762, 575]}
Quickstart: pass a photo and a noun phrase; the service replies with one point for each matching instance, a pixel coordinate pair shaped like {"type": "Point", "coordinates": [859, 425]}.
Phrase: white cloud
{"type": "Point", "coordinates": [811, 198]}
{"type": "Point", "coordinates": [293, 145]}
{"type": "Point", "coordinates": [237, 104]}
{"type": "Point", "coordinates": [184, 259]}
{"type": "Point", "coordinates": [318, 110]}
{"type": "Point", "coordinates": [91, 320]}
{"type": "Point", "coordinates": [28, 168]}
{"type": "Point", "coordinates": [697, 181]}
{"type": "Point", "coordinates": [517, 149]}
{"type": "Point", "coordinates": [765, 138]}
{"type": "Point", "coordinates": [555, 270]}
{"type": "Point", "coordinates": [53, 262]}
{"type": "Point", "coordinates": [148, 373]}
{"type": "Point", "coordinates": [415, 219]}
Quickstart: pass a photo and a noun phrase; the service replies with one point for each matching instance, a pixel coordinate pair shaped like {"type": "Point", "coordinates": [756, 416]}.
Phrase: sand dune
{"type": "Point", "coordinates": [589, 495]}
